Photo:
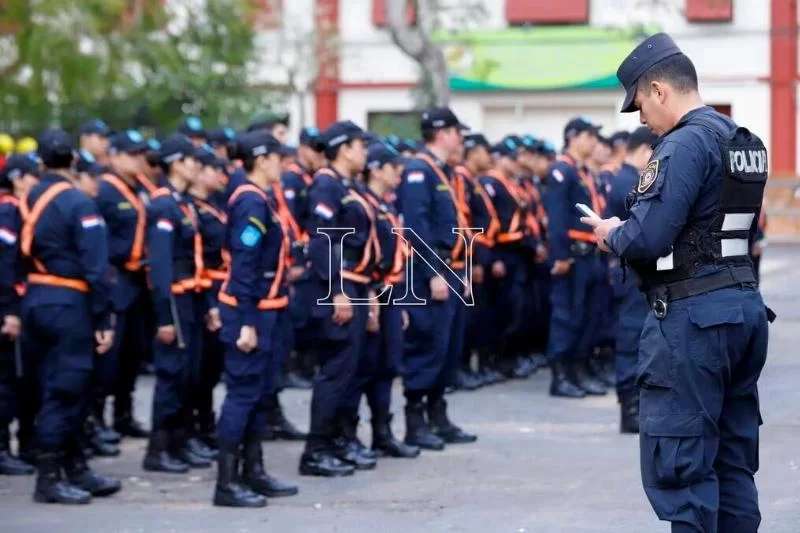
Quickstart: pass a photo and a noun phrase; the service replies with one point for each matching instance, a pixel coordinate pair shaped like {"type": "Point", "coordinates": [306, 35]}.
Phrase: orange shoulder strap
{"type": "Point", "coordinates": [141, 219]}
{"type": "Point", "coordinates": [30, 216]}
{"type": "Point", "coordinates": [247, 187]}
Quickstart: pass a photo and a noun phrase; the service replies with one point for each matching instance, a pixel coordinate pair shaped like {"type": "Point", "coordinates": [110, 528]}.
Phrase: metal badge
{"type": "Point", "coordinates": [647, 177]}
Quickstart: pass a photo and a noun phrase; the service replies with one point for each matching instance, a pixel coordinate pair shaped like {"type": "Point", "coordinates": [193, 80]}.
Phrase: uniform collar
{"type": "Point", "coordinates": [52, 177]}
{"type": "Point", "coordinates": [687, 118]}
{"type": "Point", "coordinates": [444, 166]}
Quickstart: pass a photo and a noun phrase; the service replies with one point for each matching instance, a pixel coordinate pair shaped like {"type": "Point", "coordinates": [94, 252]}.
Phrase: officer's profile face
{"type": "Point", "coordinates": [651, 101]}
{"type": "Point", "coordinates": [270, 165]}
{"type": "Point", "coordinates": [208, 178]}
{"type": "Point", "coordinates": [585, 143]}
{"type": "Point", "coordinates": [95, 144]}
{"type": "Point", "coordinates": [221, 150]}
{"type": "Point", "coordinates": [187, 168]}
{"type": "Point", "coordinates": [198, 141]}
{"type": "Point", "coordinates": [356, 153]}
{"type": "Point", "coordinates": [389, 175]}
{"type": "Point", "coordinates": [481, 156]}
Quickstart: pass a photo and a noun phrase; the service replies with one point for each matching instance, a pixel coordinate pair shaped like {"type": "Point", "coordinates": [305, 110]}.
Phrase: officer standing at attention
{"type": "Point", "coordinates": [253, 300]}
{"type": "Point", "coordinates": [434, 340]}
{"type": "Point", "coordinates": [693, 214]}
{"type": "Point", "coordinates": [631, 305]}
{"type": "Point", "coordinates": [66, 312]}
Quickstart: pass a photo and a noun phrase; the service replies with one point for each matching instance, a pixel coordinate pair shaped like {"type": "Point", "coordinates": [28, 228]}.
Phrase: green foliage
{"type": "Point", "coordinates": [127, 61]}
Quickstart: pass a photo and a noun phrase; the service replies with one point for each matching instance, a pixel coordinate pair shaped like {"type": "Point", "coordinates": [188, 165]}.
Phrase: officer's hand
{"type": "Point", "coordinates": [561, 267]}
{"type": "Point", "coordinates": [104, 340]}
{"type": "Point", "coordinates": [296, 272]}
{"type": "Point", "coordinates": [602, 228]}
{"type": "Point", "coordinates": [541, 253]}
{"type": "Point", "coordinates": [12, 326]}
{"type": "Point", "coordinates": [498, 269]}
{"type": "Point", "coordinates": [166, 334]}
{"type": "Point", "coordinates": [438, 289]}
{"type": "Point", "coordinates": [213, 322]}
{"type": "Point", "coordinates": [477, 274]}
{"type": "Point", "coordinates": [342, 310]}
{"type": "Point", "coordinates": [406, 319]}
{"type": "Point", "coordinates": [248, 339]}
{"type": "Point", "coordinates": [755, 251]}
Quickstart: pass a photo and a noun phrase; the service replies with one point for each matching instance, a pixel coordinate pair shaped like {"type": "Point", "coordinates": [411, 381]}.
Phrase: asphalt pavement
{"type": "Point", "coordinates": [541, 465]}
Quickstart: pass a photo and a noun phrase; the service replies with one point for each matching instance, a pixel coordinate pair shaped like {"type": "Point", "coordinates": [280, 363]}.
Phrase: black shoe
{"type": "Point", "coordinates": [207, 431]}
{"type": "Point", "coordinates": [350, 452]}
{"type": "Point", "coordinates": [467, 381]}
{"type": "Point", "coordinates": [278, 427]}
{"type": "Point", "coordinates": [199, 448]}
{"type": "Point", "coordinates": [52, 488]}
{"type": "Point", "coordinates": [158, 458]}
{"type": "Point", "coordinates": [127, 426]}
{"type": "Point", "coordinates": [629, 414]}
{"type": "Point", "coordinates": [102, 448]}
{"type": "Point", "coordinates": [192, 459]}
{"type": "Point", "coordinates": [522, 368]}
{"type": "Point", "coordinates": [441, 425]}
{"type": "Point", "coordinates": [383, 441]}
{"type": "Point", "coordinates": [12, 466]}
{"type": "Point", "coordinates": [254, 476]}
{"type": "Point", "coordinates": [585, 381]}
{"type": "Point", "coordinates": [324, 464]}
{"type": "Point", "coordinates": [539, 360]}
{"type": "Point", "coordinates": [561, 385]}
{"type": "Point", "coordinates": [417, 431]}
{"type": "Point", "coordinates": [597, 369]}
{"type": "Point", "coordinates": [293, 380]}
{"type": "Point", "coordinates": [229, 491]}
{"type": "Point", "coordinates": [81, 476]}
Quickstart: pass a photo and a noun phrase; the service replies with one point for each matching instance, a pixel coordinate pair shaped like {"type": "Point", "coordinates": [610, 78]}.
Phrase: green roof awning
{"type": "Point", "coordinates": [536, 59]}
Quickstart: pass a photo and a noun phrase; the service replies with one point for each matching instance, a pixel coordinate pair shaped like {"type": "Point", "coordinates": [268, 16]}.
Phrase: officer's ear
{"type": "Point", "coordinates": [658, 89]}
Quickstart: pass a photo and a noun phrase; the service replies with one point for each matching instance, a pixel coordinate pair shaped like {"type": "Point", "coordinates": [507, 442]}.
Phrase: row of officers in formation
{"type": "Point", "coordinates": [228, 255]}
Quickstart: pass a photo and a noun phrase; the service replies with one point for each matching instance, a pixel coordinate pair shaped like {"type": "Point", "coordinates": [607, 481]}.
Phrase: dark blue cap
{"type": "Point", "coordinates": [578, 125]}
{"type": "Point", "coordinates": [507, 147]}
{"type": "Point", "coordinates": [619, 139]}
{"type": "Point", "coordinates": [381, 153]}
{"type": "Point", "coordinates": [53, 143]}
{"type": "Point", "coordinates": [531, 143]}
{"type": "Point", "coordinates": [153, 144]}
{"type": "Point", "coordinates": [192, 127]}
{"type": "Point", "coordinates": [97, 127]}
{"type": "Point", "coordinates": [547, 148]}
{"type": "Point", "coordinates": [174, 148]}
{"type": "Point", "coordinates": [220, 136]}
{"type": "Point", "coordinates": [86, 163]}
{"type": "Point", "coordinates": [288, 151]}
{"type": "Point", "coordinates": [258, 143]}
{"type": "Point", "coordinates": [475, 140]}
{"type": "Point", "coordinates": [205, 155]}
{"type": "Point", "coordinates": [437, 118]}
{"type": "Point", "coordinates": [340, 133]}
{"type": "Point", "coordinates": [17, 165]}
{"type": "Point", "coordinates": [654, 49]}
{"type": "Point", "coordinates": [309, 136]}
{"type": "Point", "coordinates": [129, 142]}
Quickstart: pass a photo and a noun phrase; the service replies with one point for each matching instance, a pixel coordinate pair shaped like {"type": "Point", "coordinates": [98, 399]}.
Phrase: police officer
{"type": "Point", "coordinates": [631, 305]}
{"type": "Point", "coordinates": [176, 276]}
{"type": "Point", "coordinates": [67, 317]}
{"type": "Point", "coordinates": [433, 346]}
{"type": "Point", "coordinates": [692, 217]}
{"type": "Point", "coordinates": [340, 268]}
{"type": "Point", "coordinates": [192, 127]}
{"type": "Point", "coordinates": [95, 138]}
{"type": "Point", "coordinates": [573, 249]}
{"type": "Point", "coordinates": [253, 300]}
{"type": "Point", "coordinates": [20, 173]}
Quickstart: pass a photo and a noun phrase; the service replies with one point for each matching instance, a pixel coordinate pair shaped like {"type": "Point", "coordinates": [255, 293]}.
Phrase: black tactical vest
{"type": "Point", "coordinates": [727, 239]}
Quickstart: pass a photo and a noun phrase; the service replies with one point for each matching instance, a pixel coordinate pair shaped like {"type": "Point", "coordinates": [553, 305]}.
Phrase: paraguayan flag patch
{"type": "Point", "coordinates": [289, 194]}
{"type": "Point", "coordinates": [416, 177]}
{"type": "Point", "coordinates": [558, 175]}
{"type": "Point", "coordinates": [164, 225]}
{"type": "Point", "coordinates": [8, 236]}
{"type": "Point", "coordinates": [324, 211]}
{"type": "Point", "coordinates": [91, 221]}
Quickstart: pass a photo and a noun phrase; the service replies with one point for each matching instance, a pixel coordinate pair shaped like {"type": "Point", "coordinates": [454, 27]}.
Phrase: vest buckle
{"type": "Point", "coordinates": [660, 308]}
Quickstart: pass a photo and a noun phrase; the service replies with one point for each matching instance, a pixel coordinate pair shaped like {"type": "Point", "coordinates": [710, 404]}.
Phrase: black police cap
{"type": "Point", "coordinates": [97, 127]}
{"type": "Point", "coordinates": [220, 136]}
{"type": "Point", "coordinates": [381, 153]}
{"type": "Point", "coordinates": [175, 148]}
{"type": "Point", "coordinates": [437, 118]}
{"type": "Point", "coordinates": [192, 127]}
{"type": "Point", "coordinates": [651, 51]}
{"type": "Point", "coordinates": [475, 140]}
{"type": "Point", "coordinates": [309, 136]}
{"type": "Point", "coordinates": [619, 139]}
{"type": "Point", "coordinates": [205, 155]}
{"type": "Point", "coordinates": [578, 125]}
{"type": "Point", "coordinates": [339, 133]}
{"type": "Point", "coordinates": [54, 143]}
{"type": "Point", "coordinates": [17, 165]}
{"type": "Point", "coordinates": [507, 147]}
{"type": "Point", "coordinates": [257, 143]}
{"type": "Point", "coordinates": [129, 142]}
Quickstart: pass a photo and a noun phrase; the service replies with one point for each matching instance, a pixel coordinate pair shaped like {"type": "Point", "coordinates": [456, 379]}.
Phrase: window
{"type": "Point", "coordinates": [520, 12]}
{"type": "Point", "coordinates": [380, 18]}
{"type": "Point", "coordinates": [709, 10]}
{"type": "Point", "coordinates": [401, 123]}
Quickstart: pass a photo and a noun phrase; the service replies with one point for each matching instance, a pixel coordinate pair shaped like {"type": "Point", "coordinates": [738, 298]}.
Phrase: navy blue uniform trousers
{"type": "Point", "coordinates": [572, 329]}
{"type": "Point", "coordinates": [700, 418]}
{"type": "Point", "coordinates": [632, 309]}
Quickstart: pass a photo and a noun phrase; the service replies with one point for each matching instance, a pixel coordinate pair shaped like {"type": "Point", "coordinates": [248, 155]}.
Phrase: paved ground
{"type": "Point", "coordinates": [541, 465]}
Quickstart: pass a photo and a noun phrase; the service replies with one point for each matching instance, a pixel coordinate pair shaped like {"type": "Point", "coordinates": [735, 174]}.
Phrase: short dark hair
{"type": "Point", "coordinates": [428, 135]}
{"type": "Point", "coordinates": [332, 152]}
{"type": "Point", "coordinates": [58, 160]}
{"type": "Point", "coordinates": [678, 71]}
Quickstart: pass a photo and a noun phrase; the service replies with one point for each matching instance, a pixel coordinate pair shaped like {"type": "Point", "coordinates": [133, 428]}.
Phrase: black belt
{"type": "Point", "coordinates": [660, 296]}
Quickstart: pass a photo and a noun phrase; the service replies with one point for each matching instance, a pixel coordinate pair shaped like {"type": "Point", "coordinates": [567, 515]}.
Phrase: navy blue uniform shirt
{"type": "Point", "coordinates": [10, 275]}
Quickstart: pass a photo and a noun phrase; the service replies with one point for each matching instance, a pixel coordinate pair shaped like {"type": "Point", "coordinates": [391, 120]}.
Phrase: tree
{"type": "Point", "coordinates": [415, 39]}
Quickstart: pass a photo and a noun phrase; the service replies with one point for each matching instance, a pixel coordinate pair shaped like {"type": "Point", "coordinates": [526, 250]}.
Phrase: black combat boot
{"type": "Point", "coordinates": [158, 457]}
{"type": "Point", "coordinates": [561, 384]}
{"type": "Point", "coordinates": [584, 379]}
{"type": "Point", "coordinates": [80, 475]}
{"type": "Point", "coordinates": [124, 421]}
{"type": "Point", "coordinates": [417, 431]}
{"type": "Point", "coordinates": [100, 446]}
{"type": "Point", "coordinates": [383, 441]}
{"type": "Point", "coordinates": [104, 432]}
{"type": "Point", "coordinates": [598, 369]}
{"type": "Point", "coordinates": [179, 445]}
{"type": "Point", "coordinates": [10, 465]}
{"type": "Point", "coordinates": [51, 486]}
{"type": "Point", "coordinates": [229, 491]}
{"type": "Point", "coordinates": [522, 368]}
{"type": "Point", "coordinates": [207, 429]}
{"type": "Point", "coordinates": [254, 476]}
{"type": "Point", "coordinates": [466, 380]}
{"type": "Point", "coordinates": [278, 427]}
{"type": "Point", "coordinates": [629, 413]}
{"type": "Point", "coordinates": [441, 425]}
{"type": "Point", "coordinates": [351, 450]}
{"type": "Point", "coordinates": [198, 447]}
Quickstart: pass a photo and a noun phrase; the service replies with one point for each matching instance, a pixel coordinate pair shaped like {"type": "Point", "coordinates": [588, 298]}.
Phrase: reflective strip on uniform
{"type": "Point", "coordinates": [737, 221]}
{"type": "Point", "coordinates": [666, 263]}
{"type": "Point", "coordinates": [731, 247]}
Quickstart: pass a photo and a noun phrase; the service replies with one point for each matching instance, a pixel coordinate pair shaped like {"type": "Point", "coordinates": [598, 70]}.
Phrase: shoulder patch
{"type": "Point", "coordinates": [250, 236]}
{"type": "Point", "coordinates": [557, 175]}
{"type": "Point", "coordinates": [647, 177]}
{"type": "Point", "coordinates": [416, 177]}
